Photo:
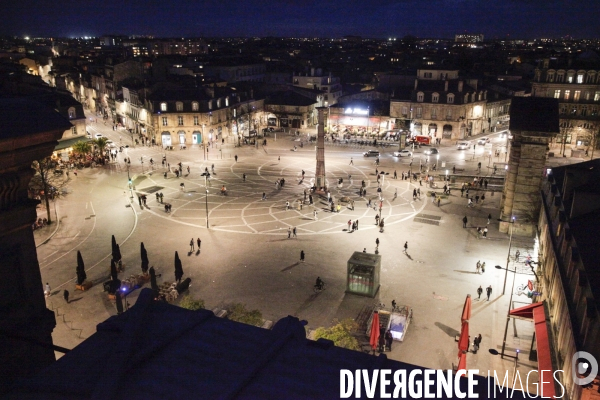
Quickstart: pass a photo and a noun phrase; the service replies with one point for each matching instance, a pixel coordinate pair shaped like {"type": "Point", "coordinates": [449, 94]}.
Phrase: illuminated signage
{"type": "Point", "coordinates": [356, 111]}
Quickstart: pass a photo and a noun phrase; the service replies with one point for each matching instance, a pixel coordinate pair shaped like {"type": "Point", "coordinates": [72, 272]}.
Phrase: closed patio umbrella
{"type": "Point", "coordinates": [466, 314]}
{"type": "Point", "coordinates": [374, 340]}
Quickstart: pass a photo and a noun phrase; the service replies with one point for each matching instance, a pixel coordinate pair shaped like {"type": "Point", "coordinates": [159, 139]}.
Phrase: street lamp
{"type": "Point", "coordinates": [206, 202]}
{"type": "Point", "coordinates": [508, 255]}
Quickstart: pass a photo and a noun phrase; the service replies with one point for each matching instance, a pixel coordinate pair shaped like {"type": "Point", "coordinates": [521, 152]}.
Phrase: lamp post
{"type": "Point", "coordinates": [508, 255]}
{"type": "Point", "coordinates": [206, 202]}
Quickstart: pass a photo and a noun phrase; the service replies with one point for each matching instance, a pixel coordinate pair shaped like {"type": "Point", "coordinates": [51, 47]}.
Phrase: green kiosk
{"type": "Point", "coordinates": [363, 274]}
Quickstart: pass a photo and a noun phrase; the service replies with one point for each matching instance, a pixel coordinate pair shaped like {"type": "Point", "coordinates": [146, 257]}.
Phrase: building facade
{"type": "Point", "coordinates": [328, 84]}
{"type": "Point", "coordinates": [578, 93]}
{"type": "Point", "coordinates": [441, 105]}
{"type": "Point", "coordinates": [568, 267]}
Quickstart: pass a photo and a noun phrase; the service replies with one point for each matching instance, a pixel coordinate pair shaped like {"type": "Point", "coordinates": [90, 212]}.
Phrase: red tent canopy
{"type": "Point", "coordinates": [466, 314]}
{"type": "Point", "coordinates": [463, 340]}
{"type": "Point", "coordinates": [374, 330]}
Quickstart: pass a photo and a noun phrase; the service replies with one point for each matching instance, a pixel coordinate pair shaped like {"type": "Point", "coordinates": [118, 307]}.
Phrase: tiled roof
{"type": "Point", "coordinates": [22, 116]}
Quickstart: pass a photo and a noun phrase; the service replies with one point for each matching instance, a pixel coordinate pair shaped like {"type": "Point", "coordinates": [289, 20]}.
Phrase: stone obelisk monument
{"type": "Point", "coordinates": [320, 170]}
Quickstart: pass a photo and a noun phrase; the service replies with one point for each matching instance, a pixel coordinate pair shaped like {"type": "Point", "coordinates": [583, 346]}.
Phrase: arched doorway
{"type": "Point", "coordinates": [196, 137]}
{"type": "Point", "coordinates": [447, 131]}
{"type": "Point", "coordinates": [432, 130]}
{"type": "Point", "coordinates": [181, 135]}
{"type": "Point", "coordinates": [166, 139]}
{"type": "Point", "coordinates": [418, 128]}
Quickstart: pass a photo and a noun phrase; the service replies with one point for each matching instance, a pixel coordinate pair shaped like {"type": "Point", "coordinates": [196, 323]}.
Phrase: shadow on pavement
{"type": "Point", "coordinates": [447, 330]}
{"type": "Point", "coordinates": [290, 266]}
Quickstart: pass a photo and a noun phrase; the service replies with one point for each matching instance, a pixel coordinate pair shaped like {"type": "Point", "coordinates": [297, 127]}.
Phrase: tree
{"type": "Point", "coordinates": [238, 312]}
{"type": "Point", "coordinates": [566, 131]}
{"type": "Point", "coordinates": [101, 142]}
{"type": "Point", "coordinates": [82, 147]}
{"type": "Point", "coordinates": [189, 303]}
{"type": "Point", "coordinates": [340, 334]}
{"type": "Point", "coordinates": [46, 180]}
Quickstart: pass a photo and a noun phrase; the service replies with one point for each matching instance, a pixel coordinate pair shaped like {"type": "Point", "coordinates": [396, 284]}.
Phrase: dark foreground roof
{"type": "Point", "coordinates": [534, 114]}
{"type": "Point", "coordinates": [23, 116]}
{"type": "Point", "coordinates": [160, 351]}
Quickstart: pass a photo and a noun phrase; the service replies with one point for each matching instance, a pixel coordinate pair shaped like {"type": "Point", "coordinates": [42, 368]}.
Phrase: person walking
{"type": "Point", "coordinates": [199, 242]}
{"type": "Point", "coordinates": [477, 343]}
{"type": "Point", "coordinates": [66, 295]}
{"type": "Point", "coordinates": [465, 220]}
{"type": "Point", "coordinates": [356, 224]}
{"type": "Point", "coordinates": [289, 232]}
{"type": "Point", "coordinates": [377, 243]}
{"type": "Point", "coordinates": [395, 175]}
{"type": "Point", "coordinates": [244, 177]}
{"type": "Point", "coordinates": [483, 268]}
{"type": "Point", "coordinates": [264, 196]}
{"type": "Point", "coordinates": [315, 215]}
{"type": "Point", "coordinates": [235, 157]}
{"type": "Point", "coordinates": [489, 218]}
{"type": "Point", "coordinates": [478, 266]}
{"type": "Point", "coordinates": [287, 205]}
{"type": "Point", "coordinates": [485, 231]}
{"type": "Point", "coordinates": [479, 292]}
{"type": "Point", "coordinates": [349, 224]}
{"type": "Point", "coordinates": [488, 291]}
{"type": "Point", "coordinates": [395, 194]}
{"type": "Point", "coordinates": [406, 247]}
{"type": "Point", "coordinates": [301, 255]}
{"type": "Point", "coordinates": [294, 233]}
{"type": "Point", "coordinates": [439, 199]}
{"type": "Point", "coordinates": [351, 161]}
{"type": "Point", "coordinates": [192, 245]}
{"type": "Point", "coordinates": [47, 290]}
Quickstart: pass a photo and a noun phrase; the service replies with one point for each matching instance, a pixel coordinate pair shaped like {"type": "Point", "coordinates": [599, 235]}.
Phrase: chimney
{"type": "Point", "coordinates": [446, 86]}
{"type": "Point", "coordinates": [416, 83]}
{"type": "Point", "coordinates": [460, 86]}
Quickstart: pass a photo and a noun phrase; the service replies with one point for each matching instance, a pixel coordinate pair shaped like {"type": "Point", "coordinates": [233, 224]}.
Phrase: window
{"type": "Point", "coordinates": [570, 78]}
{"type": "Point", "coordinates": [163, 106]}
{"type": "Point", "coordinates": [227, 101]}
{"type": "Point", "coordinates": [435, 97]}
{"type": "Point", "coordinates": [180, 120]}
{"type": "Point", "coordinates": [597, 96]}
{"type": "Point", "coordinates": [195, 106]}
{"type": "Point", "coordinates": [593, 111]}
{"type": "Point", "coordinates": [419, 112]}
{"type": "Point", "coordinates": [580, 78]}
{"type": "Point", "coordinates": [449, 114]}
{"type": "Point", "coordinates": [590, 77]}
{"type": "Point", "coordinates": [450, 98]}
{"type": "Point", "coordinates": [74, 131]}
{"type": "Point", "coordinates": [584, 110]}
{"type": "Point", "coordinates": [196, 122]}
{"type": "Point", "coordinates": [560, 77]}
{"type": "Point", "coordinates": [179, 106]}
{"type": "Point", "coordinates": [563, 109]}
{"type": "Point", "coordinates": [434, 113]}
{"type": "Point", "coordinates": [420, 96]}
{"type": "Point", "coordinates": [574, 111]}
{"type": "Point", "coordinates": [218, 103]}
{"type": "Point", "coordinates": [576, 95]}
{"type": "Point", "coordinates": [72, 112]}
{"type": "Point", "coordinates": [557, 93]}
{"type": "Point", "coordinates": [550, 76]}
{"type": "Point", "coordinates": [164, 121]}
{"type": "Point", "coordinates": [427, 74]}
{"type": "Point", "coordinates": [210, 104]}
{"type": "Point", "coordinates": [404, 111]}
{"type": "Point", "coordinates": [567, 94]}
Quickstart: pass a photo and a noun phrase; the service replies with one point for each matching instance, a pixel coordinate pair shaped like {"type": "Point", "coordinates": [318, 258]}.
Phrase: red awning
{"type": "Point", "coordinates": [537, 313]}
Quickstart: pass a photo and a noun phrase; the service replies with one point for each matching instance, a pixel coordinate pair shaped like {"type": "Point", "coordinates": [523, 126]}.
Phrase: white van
{"type": "Point", "coordinates": [463, 145]}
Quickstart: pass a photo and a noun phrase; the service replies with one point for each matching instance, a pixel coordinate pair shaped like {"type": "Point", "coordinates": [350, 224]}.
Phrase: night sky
{"type": "Point", "coordinates": [302, 18]}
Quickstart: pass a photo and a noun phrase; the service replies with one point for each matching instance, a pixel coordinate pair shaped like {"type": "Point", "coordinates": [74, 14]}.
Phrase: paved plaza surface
{"type": "Point", "coordinates": [246, 255]}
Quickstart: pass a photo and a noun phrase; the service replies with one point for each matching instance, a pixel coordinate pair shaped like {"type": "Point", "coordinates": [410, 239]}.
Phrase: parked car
{"type": "Point", "coordinates": [98, 135]}
{"type": "Point", "coordinates": [463, 145]}
{"type": "Point", "coordinates": [403, 153]}
{"type": "Point", "coordinates": [371, 153]}
{"type": "Point", "coordinates": [268, 129]}
{"type": "Point", "coordinates": [483, 141]}
{"type": "Point", "coordinates": [432, 151]}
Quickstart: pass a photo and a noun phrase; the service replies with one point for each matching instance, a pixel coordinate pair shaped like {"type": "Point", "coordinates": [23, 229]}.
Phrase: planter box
{"type": "Point", "coordinates": [86, 285]}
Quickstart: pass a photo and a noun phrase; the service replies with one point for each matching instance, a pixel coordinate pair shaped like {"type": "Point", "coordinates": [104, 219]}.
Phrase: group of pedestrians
{"type": "Point", "coordinates": [292, 232]}
{"type": "Point", "coordinates": [488, 292]}
{"type": "Point", "coordinates": [198, 242]}
{"type": "Point", "coordinates": [352, 225]}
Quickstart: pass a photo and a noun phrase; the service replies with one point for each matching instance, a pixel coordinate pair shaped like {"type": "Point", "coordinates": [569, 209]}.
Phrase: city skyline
{"type": "Point", "coordinates": [380, 18]}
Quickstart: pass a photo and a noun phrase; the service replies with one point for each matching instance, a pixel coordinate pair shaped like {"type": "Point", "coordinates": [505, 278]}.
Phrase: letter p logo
{"type": "Point", "coordinates": [580, 367]}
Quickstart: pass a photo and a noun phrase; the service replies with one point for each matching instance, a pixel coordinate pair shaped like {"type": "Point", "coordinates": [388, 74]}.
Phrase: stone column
{"type": "Point", "coordinates": [521, 195]}
{"type": "Point", "coordinates": [320, 169]}
{"type": "Point", "coordinates": [26, 327]}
